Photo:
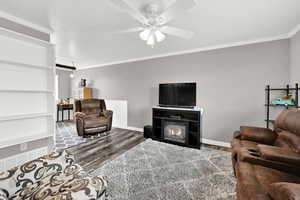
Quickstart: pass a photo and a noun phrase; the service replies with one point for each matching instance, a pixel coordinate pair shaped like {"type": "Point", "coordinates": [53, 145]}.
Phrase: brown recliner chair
{"type": "Point", "coordinates": [92, 117]}
{"type": "Point", "coordinates": [267, 162]}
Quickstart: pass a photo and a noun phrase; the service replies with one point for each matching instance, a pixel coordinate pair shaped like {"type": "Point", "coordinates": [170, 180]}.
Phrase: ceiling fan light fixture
{"type": "Point", "coordinates": [145, 34]}
{"type": "Point", "coordinates": [151, 40]}
{"type": "Point", "coordinates": [159, 36]}
{"type": "Point", "coordinates": [154, 19]}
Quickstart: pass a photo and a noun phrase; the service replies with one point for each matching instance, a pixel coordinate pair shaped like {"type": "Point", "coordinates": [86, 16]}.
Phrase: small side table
{"type": "Point", "coordinates": [62, 108]}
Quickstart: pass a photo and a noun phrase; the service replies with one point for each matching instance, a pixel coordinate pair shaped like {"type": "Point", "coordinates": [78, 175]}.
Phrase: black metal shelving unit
{"type": "Point", "coordinates": [268, 105]}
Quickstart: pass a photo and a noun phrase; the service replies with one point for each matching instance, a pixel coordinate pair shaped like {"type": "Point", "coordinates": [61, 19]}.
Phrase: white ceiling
{"type": "Point", "coordinates": [84, 29]}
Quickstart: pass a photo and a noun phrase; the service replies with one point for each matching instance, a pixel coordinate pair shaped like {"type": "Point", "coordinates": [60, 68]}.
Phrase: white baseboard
{"type": "Point", "coordinates": [135, 129]}
{"type": "Point", "coordinates": [216, 143]}
{"type": "Point", "coordinates": [204, 141]}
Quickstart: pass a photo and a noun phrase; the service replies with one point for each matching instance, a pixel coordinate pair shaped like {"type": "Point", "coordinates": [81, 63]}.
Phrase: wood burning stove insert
{"type": "Point", "coordinates": [175, 131]}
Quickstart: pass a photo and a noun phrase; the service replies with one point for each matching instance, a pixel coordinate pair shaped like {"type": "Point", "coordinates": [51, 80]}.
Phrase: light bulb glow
{"type": "Point", "coordinates": [144, 35]}
{"type": "Point", "coordinates": [151, 40]}
{"type": "Point", "coordinates": [152, 35]}
{"type": "Point", "coordinates": [159, 36]}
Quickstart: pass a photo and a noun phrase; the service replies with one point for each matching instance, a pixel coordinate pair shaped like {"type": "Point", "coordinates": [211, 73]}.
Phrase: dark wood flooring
{"type": "Point", "coordinates": [228, 149]}
{"type": "Point", "coordinates": [93, 154]}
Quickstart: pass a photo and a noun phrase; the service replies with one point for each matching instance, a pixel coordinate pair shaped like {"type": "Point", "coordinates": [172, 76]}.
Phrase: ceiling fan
{"type": "Point", "coordinates": [154, 18]}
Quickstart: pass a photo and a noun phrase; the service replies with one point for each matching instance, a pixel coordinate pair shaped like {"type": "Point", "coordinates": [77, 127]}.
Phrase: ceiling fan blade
{"type": "Point", "coordinates": [131, 30]}
{"type": "Point", "coordinates": [125, 6]}
{"type": "Point", "coordinates": [177, 32]}
{"type": "Point", "coordinates": [177, 6]}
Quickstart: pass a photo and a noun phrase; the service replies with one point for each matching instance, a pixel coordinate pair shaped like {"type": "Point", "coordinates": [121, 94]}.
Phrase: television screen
{"type": "Point", "coordinates": [177, 94]}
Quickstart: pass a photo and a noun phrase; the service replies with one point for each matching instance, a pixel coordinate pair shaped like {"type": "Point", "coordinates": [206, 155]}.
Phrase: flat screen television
{"type": "Point", "coordinates": [177, 95]}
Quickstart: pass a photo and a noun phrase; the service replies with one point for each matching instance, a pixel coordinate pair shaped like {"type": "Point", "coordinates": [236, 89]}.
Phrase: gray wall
{"type": "Point", "coordinates": [295, 58]}
{"type": "Point", "coordinates": [64, 83]}
{"type": "Point", "coordinates": [230, 84]}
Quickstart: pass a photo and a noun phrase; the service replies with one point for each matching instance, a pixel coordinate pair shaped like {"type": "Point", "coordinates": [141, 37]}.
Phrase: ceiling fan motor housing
{"type": "Point", "coordinates": [152, 12]}
{"type": "Point", "coordinates": [152, 9]}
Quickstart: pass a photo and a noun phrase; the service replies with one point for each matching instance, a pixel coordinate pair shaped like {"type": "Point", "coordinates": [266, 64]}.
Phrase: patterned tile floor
{"type": "Point", "coordinates": [155, 170]}
{"type": "Point", "coordinates": [66, 136]}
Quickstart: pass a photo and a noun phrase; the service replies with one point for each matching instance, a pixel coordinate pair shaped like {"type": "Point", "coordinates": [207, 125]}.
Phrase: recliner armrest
{"type": "Point", "coordinates": [80, 115]}
{"type": "Point", "coordinates": [255, 158]}
{"type": "Point", "coordinates": [279, 154]}
{"type": "Point", "coordinates": [237, 135]}
{"type": "Point", "coordinates": [257, 134]}
{"type": "Point", "coordinates": [108, 113]}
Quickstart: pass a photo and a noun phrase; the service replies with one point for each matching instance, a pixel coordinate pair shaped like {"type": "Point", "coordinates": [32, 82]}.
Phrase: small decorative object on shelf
{"type": "Point", "coordinates": [287, 101]}
{"type": "Point", "coordinates": [290, 100]}
{"type": "Point", "coordinates": [83, 82]}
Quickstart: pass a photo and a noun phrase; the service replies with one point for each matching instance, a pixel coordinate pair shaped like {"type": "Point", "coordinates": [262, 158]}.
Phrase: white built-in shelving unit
{"type": "Point", "coordinates": [27, 102]}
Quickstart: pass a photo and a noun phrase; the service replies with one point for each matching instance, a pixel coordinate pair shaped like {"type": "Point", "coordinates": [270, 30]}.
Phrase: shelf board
{"type": "Point", "coordinates": [11, 142]}
{"type": "Point", "coordinates": [280, 105]}
{"type": "Point", "coordinates": [284, 89]}
{"type": "Point", "coordinates": [25, 65]}
{"type": "Point", "coordinates": [24, 116]}
{"type": "Point", "coordinates": [271, 120]}
{"type": "Point", "coordinates": [25, 91]}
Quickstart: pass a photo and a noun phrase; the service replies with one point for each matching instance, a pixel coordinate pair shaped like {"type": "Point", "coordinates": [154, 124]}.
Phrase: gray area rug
{"type": "Point", "coordinates": [158, 171]}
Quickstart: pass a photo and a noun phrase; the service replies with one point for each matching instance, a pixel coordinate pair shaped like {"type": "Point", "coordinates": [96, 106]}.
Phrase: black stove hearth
{"type": "Point", "coordinates": [177, 126]}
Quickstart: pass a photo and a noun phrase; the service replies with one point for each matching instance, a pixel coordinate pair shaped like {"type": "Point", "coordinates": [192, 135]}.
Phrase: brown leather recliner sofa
{"type": "Point", "coordinates": [267, 162]}
{"type": "Point", "coordinates": [92, 117]}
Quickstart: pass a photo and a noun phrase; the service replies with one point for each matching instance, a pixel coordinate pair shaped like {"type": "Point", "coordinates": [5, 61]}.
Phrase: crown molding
{"type": "Point", "coordinates": [294, 31]}
{"type": "Point", "coordinates": [25, 23]}
{"type": "Point", "coordinates": [176, 53]}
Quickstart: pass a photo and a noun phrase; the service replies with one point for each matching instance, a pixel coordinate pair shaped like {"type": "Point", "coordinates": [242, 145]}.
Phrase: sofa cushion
{"type": "Point", "coordinates": [248, 185]}
{"type": "Point", "coordinates": [254, 180]}
{"type": "Point", "coordinates": [8, 181]}
{"type": "Point", "coordinates": [279, 154]}
{"type": "Point", "coordinates": [91, 106]}
{"type": "Point", "coordinates": [291, 122]}
{"type": "Point", "coordinates": [237, 144]}
{"type": "Point", "coordinates": [256, 134]}
{"type": "Point", "coordinates": [288, 121]}
{"type": "Point", "coordinates": [280, 123]}
{"type": "Point", "coordinates": [62, 187]}
{"type": "Point", "coordinates": [3, 194]}
{"type": "Point", "coordinates": [25, 175]}
{"type": "Point", "coordinates": [288, 140]}
{"type": "Point", "coordinates": [267, 176]}
{"type": "Point", "coordinates": [95, 122]}
{"type": "Point", "coordinates": [284, 190]}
